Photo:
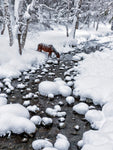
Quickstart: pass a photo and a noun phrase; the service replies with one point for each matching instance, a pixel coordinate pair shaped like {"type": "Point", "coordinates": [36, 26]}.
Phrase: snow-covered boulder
{"type": "Point", "coordinates": [41, 143]}
{"type": "Point", "coordinates": [36, 120]}
{"type": "Point", "coordinates": [57, 87]}
{"type": "Point", "coordinates": [15, 118]}
{"type": "Point", "coordinates": [62, 142]}
{"type": "Point", "coordinates": [81, 108]}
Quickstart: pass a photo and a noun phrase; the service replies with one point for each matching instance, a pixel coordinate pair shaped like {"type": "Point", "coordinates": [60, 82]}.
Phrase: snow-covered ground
{"type": "Point", "coordinates": [95, 81]}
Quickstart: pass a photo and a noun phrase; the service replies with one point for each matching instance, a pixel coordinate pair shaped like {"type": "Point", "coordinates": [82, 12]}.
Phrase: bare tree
{"type": "Point", "coordinates": [22, 20]}
{"type": "Point", "coordinates": [7, 20]}
{"type": "Point", "coordinates": [77, 6]}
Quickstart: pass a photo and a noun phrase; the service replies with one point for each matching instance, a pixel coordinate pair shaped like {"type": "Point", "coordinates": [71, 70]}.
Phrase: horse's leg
{"type": "Point", "coordinates": [49, 55]}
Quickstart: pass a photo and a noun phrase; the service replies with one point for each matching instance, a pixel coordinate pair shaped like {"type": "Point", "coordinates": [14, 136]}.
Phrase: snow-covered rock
{"type": "Point", "coordinates": [15, 118]}
{"type": "Point", "coordinates": [21, 86]}
{"type": "Point", "coordinates": [62, 142]}
{"type": "Point", "coordinates": [95, 117]}
{"type": "Point", "coordinates": [36, 120]}
{"type": "Point", "coordinates": [33, 108]}
{"type": "Point", "coordinates": [70, 100]}
{"type": "Point", "coordinates": [26, 103]}
{"type": "Point", "coordinates": [81, 108]}
{"type": "Point", "coordinates": [47, 121]}
{"type": "Point", "coordinates": [58, 87]}
{"type": "Point", "coordinates": [41, 143]}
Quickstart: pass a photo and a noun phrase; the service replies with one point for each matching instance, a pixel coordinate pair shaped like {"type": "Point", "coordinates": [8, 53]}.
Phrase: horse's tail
{"type": "Point", "coordinates": [55, 51]}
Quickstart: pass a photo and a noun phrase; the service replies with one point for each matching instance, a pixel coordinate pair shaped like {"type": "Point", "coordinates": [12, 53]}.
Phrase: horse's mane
{"type": "Point", "coordinates": [54, 50]}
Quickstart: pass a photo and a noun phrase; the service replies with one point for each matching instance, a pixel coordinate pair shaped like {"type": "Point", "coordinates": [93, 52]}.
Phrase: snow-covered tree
{"type": "Point", "coordinates": [77, 6]}
{"type": "Point", "coordinates": [7, 21]}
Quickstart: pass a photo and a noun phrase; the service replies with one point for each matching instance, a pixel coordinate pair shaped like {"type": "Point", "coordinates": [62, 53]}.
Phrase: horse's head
{"type": "Point", "coordinates": [57, 55]}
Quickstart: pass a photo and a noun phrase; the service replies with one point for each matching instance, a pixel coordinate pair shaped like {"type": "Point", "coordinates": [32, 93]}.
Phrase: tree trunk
{"type": "Point", "coordinates": [19, 43]}
{"type": "Point", "coordinates": [67, 31]}
{"type": "Point", "coordinates": [8, 22]}
{"type": "Point", "coordinates": [76, 17]}
{"type": "Point", "coordinates": [97, 25]}
{"type": "Point", "coordinates": [22, 24]}
{"type": "Point", "coordinates": [24, 35]}
{"type": "Point", "coordinates": [2, 32]}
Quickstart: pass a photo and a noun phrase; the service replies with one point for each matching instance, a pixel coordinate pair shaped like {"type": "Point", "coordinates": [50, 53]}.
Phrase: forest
{"type": "Point", "coordinates": [79, 13]}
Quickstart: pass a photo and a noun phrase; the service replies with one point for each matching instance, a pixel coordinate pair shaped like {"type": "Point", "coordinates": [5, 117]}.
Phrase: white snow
{"type": "Point", "coordinates": [56, 111]}
{"type": "Point", "coordinates": [26, 103]}
{"type": "Point", "coordinates": [95, 81]}
{"type": "Point", "coordinates": [36, 120]}
{"type": "Point", "coordinates": [57, 87]}
{"type": "Point", "coordinates": [70, 100]}
{"type": "Point", "coordinates": [41, 143]}
{"type": "Point", "coordinates": [21, 86]}
{"type": "Point", "coordinates": [62, 142]}
{"type": "Point", "coordinates": [15, 118]}
{"type": "Point", "coordinates": [3, 100]}
{"type": "Point", "coordinates": [46, 121]}
{"type": "Point", "coordinates": [81, 108]}
{"type": "Point", "coordinates": [33, 108]}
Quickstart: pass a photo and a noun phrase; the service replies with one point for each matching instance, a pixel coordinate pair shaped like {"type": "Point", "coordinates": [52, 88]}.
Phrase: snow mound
{"type": "Point", "coordinates": [3, 100]}
{"type": "Point", "coordinates": [61, 142]}
{"type": "Point", "coordinates": [36, 120]}
{"type": "Point", "coordinates": [95, 117]}
{"type": "Point", "coordinates": [70, 100]}
{"type": "Point", "coordinates": [16, 109]}
{"type": "Point", "coordinates": [14, 118]}
{"type": "Point", "coordinates": [81, 108]}
{"type": "Point", "coordinates": [40, 143]}
{"type": "Point", "coordinates": [57, 87]}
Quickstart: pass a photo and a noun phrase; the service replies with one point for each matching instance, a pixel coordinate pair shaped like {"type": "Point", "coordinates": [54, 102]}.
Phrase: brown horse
{"type": "Point", "coordinates": [48, 48]}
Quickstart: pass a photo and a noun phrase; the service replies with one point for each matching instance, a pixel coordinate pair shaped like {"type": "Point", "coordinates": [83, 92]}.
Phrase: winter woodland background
{"type": "Point", "coordinates": [27, 14]}
{"type": "Point", "coordinates": [72, 27]}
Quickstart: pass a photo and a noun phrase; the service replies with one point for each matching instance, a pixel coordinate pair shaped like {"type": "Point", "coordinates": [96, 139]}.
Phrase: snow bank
{"type": "Point", "coordinates": [12, 64]}
{"type": "Point", "coordinates": [57, 87]}
{"type": "Point", "coordinates": [95, 81]}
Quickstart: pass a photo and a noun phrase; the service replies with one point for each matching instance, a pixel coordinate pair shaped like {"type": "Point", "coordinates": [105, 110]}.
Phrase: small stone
{"type": "Point", "coordinates": [62, 119]}
{"type": "Point", "coordinates": [24, 140]}
{"type": "Point", "coordinates": [61, 103]}
{"type": "Point", "coordinates": [61, 125]}
{"type": "Point", "coordinates": [77, 127]}
{"type": "Point", "coordinates": [47, 122]}
{"type": "Point", "coordinates": [37, 80]}
{"type": "Point", "coordinates": [51, 96]}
